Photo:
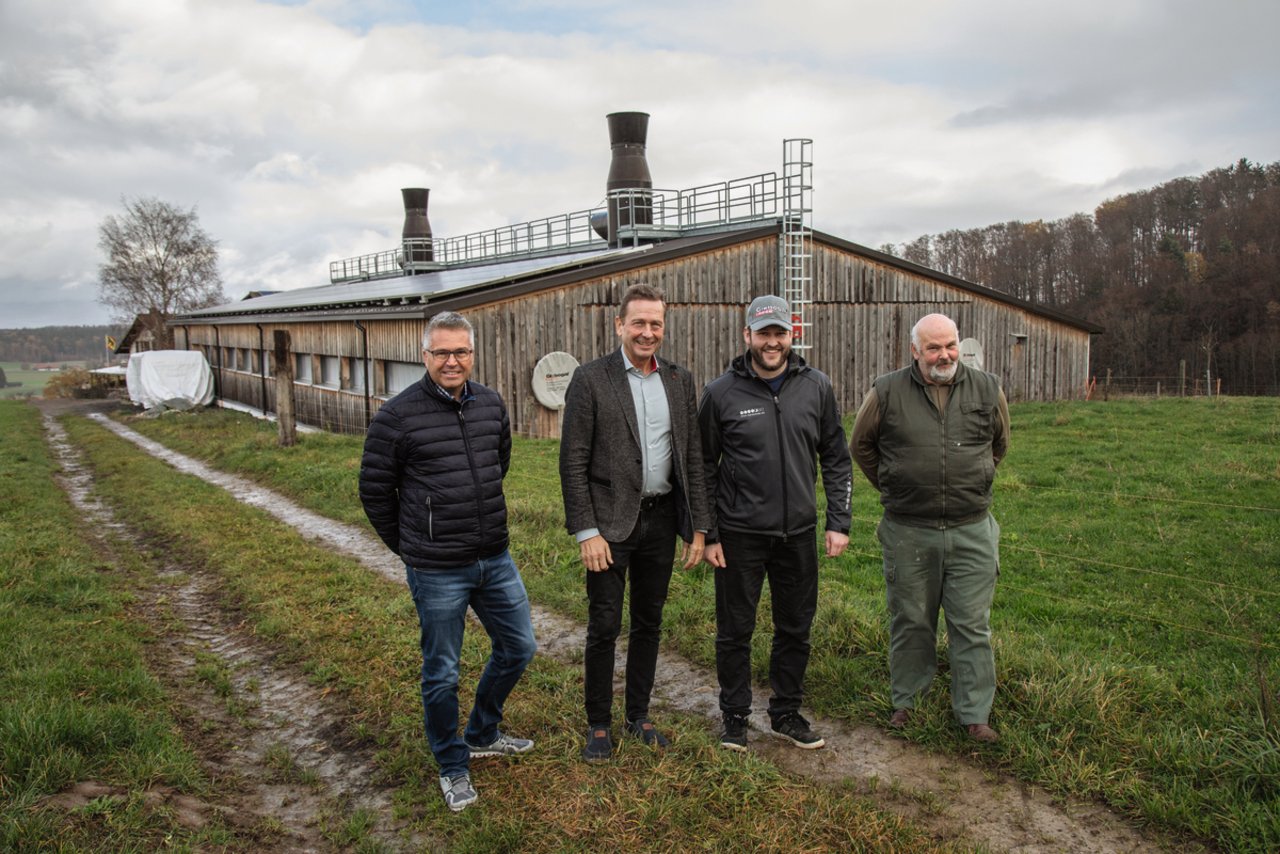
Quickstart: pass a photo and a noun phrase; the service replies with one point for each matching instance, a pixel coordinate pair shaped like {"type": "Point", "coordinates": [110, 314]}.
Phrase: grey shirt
{"type": "Point", "coordinates": [653, 418]}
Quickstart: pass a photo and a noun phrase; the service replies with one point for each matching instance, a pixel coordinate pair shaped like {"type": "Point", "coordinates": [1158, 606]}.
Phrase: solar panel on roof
{"type": "Point", "coordinates": [395, 290]}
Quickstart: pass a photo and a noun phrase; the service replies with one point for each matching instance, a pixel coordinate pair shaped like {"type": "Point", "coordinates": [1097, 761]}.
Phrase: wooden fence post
{"type": "Point", "coordinates": [283, 368]}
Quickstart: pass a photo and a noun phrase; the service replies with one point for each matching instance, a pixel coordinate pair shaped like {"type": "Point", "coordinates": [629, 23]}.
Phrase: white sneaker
{"type": "Point", "coordinates": [458, 794]}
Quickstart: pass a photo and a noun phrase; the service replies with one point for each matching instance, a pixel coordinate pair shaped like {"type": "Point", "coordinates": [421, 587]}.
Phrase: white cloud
{"type": "Point", "coordinates": [292, 127]}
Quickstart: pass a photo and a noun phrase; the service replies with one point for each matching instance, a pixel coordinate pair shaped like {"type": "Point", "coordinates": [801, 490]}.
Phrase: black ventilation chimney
{"type": "Point", "coordinates": [416, 237]}
{"type": "Point", "coordinates": [628, 169]}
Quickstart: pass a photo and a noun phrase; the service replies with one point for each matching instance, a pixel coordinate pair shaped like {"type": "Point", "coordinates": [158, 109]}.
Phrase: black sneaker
{"type": "Point", "coordinates": [644, 730]}
{"type": "Point", "coordinates": [795, 729]}
{"type": "Point", "coordinates": [734, 736]}
{"type": "Point", "coordinates": [599, 745]}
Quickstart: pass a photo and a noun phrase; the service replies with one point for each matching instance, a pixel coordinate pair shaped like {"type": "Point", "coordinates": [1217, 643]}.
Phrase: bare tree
{"type": "Point", "coordinates": [160, 262]}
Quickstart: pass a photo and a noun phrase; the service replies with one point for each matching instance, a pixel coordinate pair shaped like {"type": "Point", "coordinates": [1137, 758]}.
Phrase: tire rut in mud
{"type": "Point", "coordinates": [285, 772]}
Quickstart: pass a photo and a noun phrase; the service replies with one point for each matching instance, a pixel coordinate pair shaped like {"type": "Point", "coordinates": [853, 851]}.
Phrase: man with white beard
{"type": "Point", "coordinates": [929, 438]}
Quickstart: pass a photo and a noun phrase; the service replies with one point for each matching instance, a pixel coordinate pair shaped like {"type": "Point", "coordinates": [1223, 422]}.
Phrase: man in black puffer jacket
{"type": "Point", "coordinates": [431, 484]}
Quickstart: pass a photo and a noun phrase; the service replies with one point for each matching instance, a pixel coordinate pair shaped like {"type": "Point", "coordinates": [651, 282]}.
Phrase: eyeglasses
{"type": "Point", "coordinates": [462, 354]}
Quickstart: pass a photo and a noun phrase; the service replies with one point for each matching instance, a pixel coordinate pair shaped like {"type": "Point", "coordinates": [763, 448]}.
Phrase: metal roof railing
{"type": "Point", "coordinates": [676, 212]}
{"type": "Point", "coordinates": [565, 232]}
{"type": "Point", "coordinates": [654, 214]}
{"type": "Point", "coordinates": [380, 265]}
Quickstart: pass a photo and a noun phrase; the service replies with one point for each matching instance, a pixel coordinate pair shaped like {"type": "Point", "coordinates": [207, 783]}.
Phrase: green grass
{"type": "Point", "coordinates": [32, 381]}
{"type": "Point", "coordinates": [1135, 620]}
{"type": "Point", "coordinates": [77, 702]}
{"type": "Point", "coordinates": [354, 633]}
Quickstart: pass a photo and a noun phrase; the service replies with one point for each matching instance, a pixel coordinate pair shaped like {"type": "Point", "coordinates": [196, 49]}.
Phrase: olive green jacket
{"type": "Point", "coordinates": [934, 467]}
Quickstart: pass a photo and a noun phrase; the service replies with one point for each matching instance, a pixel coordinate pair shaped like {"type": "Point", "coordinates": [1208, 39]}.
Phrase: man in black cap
{"type": "Point", "coordinates": [766, 423]}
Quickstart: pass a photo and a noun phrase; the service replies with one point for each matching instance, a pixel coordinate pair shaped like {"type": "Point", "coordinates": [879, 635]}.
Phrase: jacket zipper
{"type": "Point", "coordinates": [475, 475]}
{"type": "Point", "coordinates": [782, 457]}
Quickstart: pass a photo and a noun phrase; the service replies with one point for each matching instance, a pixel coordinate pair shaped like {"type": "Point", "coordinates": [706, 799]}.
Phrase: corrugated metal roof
{"type": "Point", "coordinates": [408, 289]}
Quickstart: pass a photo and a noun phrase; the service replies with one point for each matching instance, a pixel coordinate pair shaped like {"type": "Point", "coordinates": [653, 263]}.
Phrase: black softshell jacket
{"type": "Point", "coordinates": [762, 451]}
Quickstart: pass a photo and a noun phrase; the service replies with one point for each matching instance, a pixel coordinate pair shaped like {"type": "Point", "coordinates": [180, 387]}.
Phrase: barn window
{"type": "Point", "coordinates": [401, 375]}
{"type": "Point", "coordinates": [302, 367]}
{"type": "Point", "coordinates": [355, 378]}
{"type": "Point", "coordinates": [330, 371]}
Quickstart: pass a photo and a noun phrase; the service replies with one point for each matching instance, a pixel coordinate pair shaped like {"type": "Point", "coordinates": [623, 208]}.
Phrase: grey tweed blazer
{"type": "Point", "coordinates": [601, 473]}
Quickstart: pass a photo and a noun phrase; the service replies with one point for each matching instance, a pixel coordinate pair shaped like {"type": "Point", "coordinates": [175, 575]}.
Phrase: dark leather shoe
{"type": "Point", "coordinates": [647, 732]}
{"type": "Point", "coordinates": [983, 733]}
{"type": "Point", "coordinates": [899, 718]}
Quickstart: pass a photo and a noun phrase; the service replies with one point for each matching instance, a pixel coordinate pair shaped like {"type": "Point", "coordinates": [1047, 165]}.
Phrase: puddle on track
{"type": "Point", "coordinates": [952, 799]}
{"type": "Point", "coordinates": [273, 747]}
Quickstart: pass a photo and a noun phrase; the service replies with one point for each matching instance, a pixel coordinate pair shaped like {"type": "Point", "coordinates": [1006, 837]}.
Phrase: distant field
{"type": "Point", "coordinates": [32, 381]}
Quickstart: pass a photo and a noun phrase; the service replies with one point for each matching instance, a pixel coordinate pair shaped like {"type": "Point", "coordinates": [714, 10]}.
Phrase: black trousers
{"type": "Point", "coordinates": [647, 556]}
{"type": "Point", "coordinates": [791, 565]}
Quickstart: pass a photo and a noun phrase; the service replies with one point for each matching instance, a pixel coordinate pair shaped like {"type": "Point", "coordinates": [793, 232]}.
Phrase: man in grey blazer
{"type": "Point", "coordinates": [632, 480]}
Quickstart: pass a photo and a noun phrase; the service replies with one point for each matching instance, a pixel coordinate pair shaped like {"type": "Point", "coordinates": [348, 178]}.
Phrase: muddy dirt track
{"type": "Point", "coordinates": [273, 745]}
{"type": "Point", "coordinates": [952, 799]}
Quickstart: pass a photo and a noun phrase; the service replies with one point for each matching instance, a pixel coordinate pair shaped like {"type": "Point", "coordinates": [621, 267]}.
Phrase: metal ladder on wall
{"type": "Point", "coordinates": [795, 261]}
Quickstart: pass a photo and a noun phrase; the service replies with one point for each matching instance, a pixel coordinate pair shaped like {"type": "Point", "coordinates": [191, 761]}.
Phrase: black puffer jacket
{"type": "Point", "coordinates": [431, 475]}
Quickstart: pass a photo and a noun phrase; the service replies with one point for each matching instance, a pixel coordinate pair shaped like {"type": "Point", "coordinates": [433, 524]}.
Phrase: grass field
{"type": "Point", "coordinates": [347, 629]}
{"type": "Point", "coordinates": [82, 710]}
{"type": "Point", "coordinates": [1137, 640]}
{"type": "Point", "coordinates": [32, 381]}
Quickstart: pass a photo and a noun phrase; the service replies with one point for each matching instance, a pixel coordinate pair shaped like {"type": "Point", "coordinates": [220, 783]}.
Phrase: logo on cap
{"type": "Point", "coordinates": [769, 311]}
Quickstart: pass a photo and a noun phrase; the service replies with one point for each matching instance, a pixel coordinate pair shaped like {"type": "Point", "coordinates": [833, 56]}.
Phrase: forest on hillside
{"type": "Point", "coordinates": [58, 344]}
{"type": "Point", "coordinates": [1185, 272]}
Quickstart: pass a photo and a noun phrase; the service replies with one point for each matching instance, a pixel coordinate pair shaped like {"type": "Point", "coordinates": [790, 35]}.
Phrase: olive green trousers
{"type": "Point", "coordinates": [953, 569]}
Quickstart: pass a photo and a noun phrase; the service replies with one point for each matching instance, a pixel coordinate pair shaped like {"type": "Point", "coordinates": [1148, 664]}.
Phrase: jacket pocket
{"type": "Point", "coordinates": [728, 485]}
{"type": "Point", "coordinates": [978, 422]}
{"type": "Point", "coordinates": [431, 522]}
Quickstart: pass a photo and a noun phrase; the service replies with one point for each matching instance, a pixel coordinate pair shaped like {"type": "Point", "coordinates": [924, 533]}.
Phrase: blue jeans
{"type": "Point", "coordinates": [493, 589]}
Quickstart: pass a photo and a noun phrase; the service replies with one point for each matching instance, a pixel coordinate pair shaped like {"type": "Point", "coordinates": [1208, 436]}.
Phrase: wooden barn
{"type": "Point", "coordinates": [553, 286]}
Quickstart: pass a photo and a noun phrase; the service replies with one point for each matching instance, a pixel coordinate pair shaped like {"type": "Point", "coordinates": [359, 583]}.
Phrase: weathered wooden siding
{"type": "Point", "coordinates": [865, 310]}
{"type": "Point", "coordinates": [859, 325]}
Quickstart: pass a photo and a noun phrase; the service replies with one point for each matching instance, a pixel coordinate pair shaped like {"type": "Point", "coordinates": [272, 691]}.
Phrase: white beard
{"type": "Point", "coordinates": [943, 375]}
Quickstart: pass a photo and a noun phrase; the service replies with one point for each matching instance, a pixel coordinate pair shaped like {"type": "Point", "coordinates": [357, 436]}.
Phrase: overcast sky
{"type": "Point", "coordinates": [292, 126]}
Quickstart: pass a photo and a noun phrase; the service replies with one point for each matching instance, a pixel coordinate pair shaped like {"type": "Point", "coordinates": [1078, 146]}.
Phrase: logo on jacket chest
{"type": "Point", "coordinates": [751, 412]}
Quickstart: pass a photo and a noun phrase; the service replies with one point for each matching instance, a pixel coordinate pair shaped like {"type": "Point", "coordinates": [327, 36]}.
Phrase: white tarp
{"type": "Point", "coordinates": [157, 377]}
